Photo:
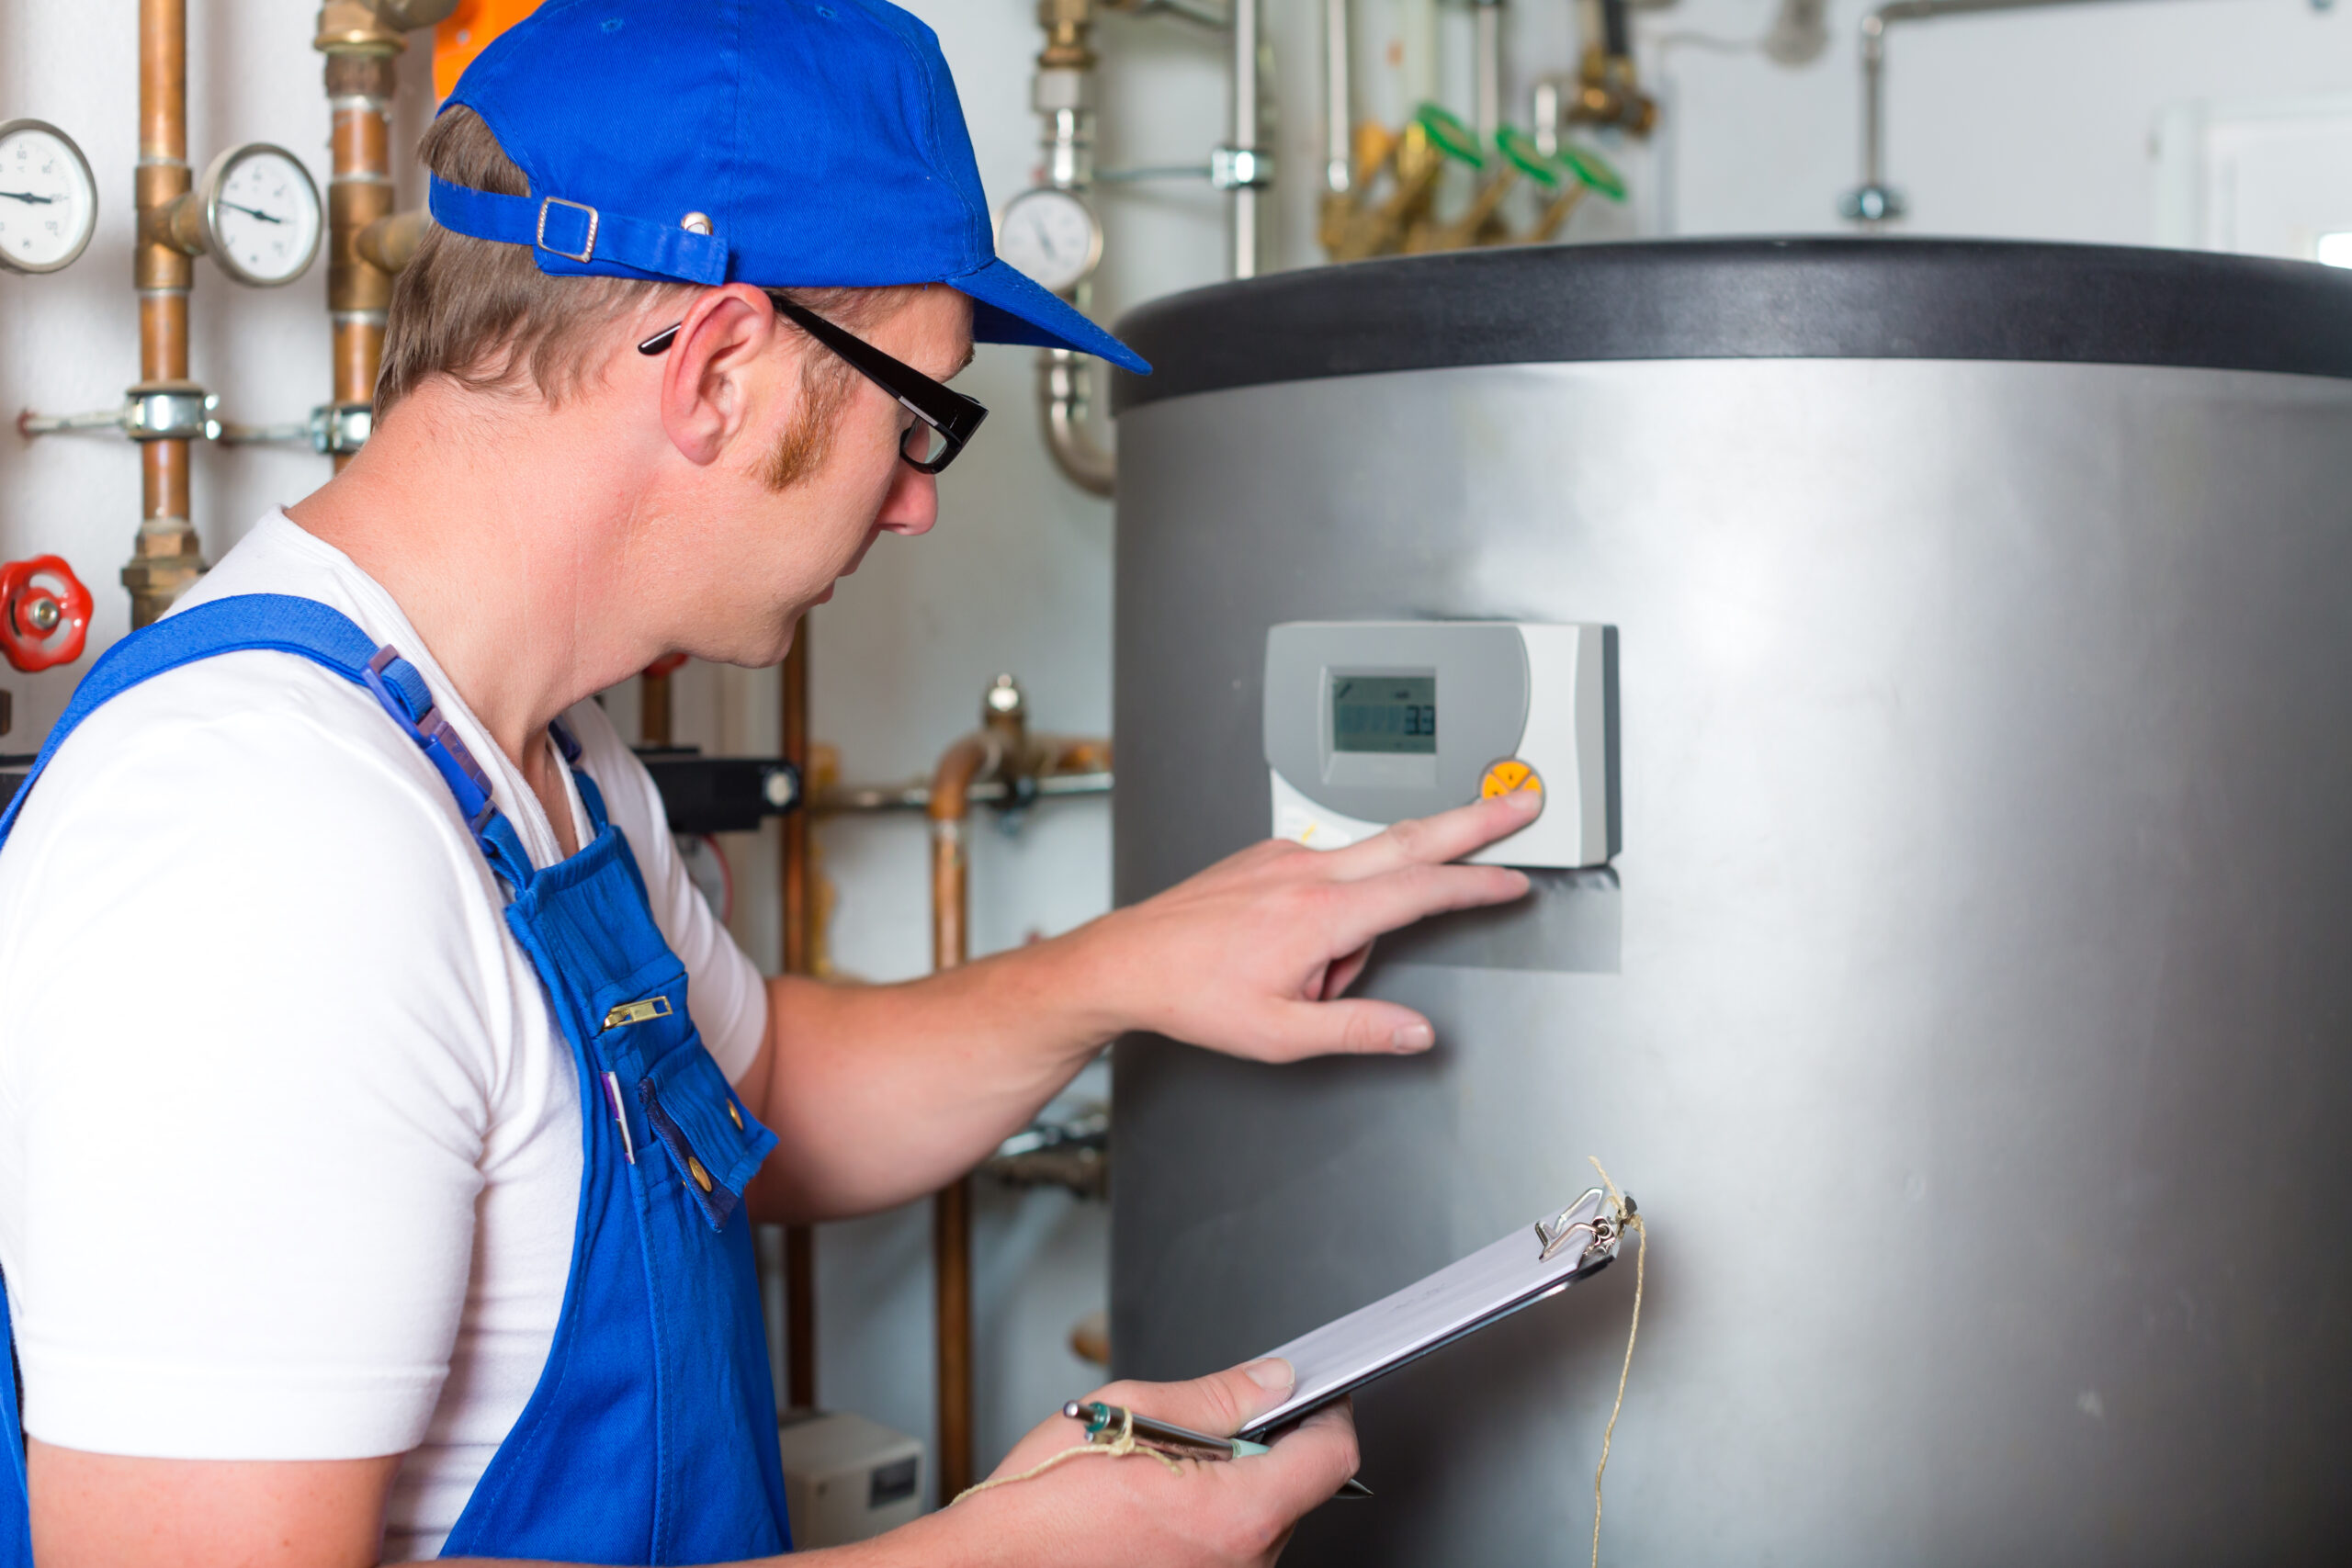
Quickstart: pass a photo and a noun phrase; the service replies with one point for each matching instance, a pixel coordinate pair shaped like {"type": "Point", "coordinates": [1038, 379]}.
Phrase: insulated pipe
{"type": "Point", "coordinates": [1874, 201]}
{"type": "Point", "coordinates": [168, 556]}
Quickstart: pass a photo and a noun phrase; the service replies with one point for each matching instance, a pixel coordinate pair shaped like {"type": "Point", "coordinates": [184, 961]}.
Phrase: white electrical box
{"type": "Point", "coordinates": [1371, 722]}
{"type": "Point", "coordinates": [846, 1478]}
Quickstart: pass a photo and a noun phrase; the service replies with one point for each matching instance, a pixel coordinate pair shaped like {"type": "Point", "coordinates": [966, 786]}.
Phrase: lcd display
{"type": "Point", "coordinates": [1383, 713]}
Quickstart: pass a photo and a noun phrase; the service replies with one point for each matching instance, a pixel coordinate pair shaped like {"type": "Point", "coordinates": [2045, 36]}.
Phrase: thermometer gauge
{"type": "Point", "coordinates": [1052, 235]}
{"type": "Point", "coordinates": [49, 203]}
{"type": "Point", "coordinates": [261, 215]}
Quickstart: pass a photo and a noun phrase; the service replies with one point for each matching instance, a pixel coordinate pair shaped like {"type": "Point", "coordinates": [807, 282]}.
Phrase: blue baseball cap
{"type": "Point", "coordinates": [784, 143]}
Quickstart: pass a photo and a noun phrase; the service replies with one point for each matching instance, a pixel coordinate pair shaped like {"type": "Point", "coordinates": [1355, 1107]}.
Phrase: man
{"type": "Point", "coordinates": [381, 1111]}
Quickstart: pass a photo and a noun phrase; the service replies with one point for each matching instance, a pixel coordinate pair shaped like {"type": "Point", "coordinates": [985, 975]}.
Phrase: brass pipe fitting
{"type": "Point", "coordinates": [389, 243]}
{"type": "Point", "coordinates": [1069, 26]}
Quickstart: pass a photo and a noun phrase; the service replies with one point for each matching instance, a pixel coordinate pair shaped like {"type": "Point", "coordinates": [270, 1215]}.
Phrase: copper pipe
{"type": "Point", "coordinates": [168, 556]}
{"type": "Point", "coordinates": [361, 46]}
{"type": "Point", "coordinates": [653, 708]}
{"type": "Point", "coordinates": [951, 1218]}
{"type": "Point", "coordinates": [800, 1241]}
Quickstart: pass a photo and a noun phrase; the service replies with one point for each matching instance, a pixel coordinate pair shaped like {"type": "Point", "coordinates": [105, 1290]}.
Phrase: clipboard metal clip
{"type": "Point", "coordinates": [1603, 1230]}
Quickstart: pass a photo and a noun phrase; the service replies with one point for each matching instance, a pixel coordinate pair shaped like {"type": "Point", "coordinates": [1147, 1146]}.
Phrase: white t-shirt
{"type": "Point", "coordinates": [289, 1144]}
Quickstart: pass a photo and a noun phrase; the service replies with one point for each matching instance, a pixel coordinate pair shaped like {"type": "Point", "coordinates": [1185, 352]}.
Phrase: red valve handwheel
{"type": "Point", "coordinates": [42, 625]}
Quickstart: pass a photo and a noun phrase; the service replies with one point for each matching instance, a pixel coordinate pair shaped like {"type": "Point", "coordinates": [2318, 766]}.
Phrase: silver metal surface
{"type": "Point", "coordinates": [1969, 1005]}
{"type": "Point", "coordinates": [1239, 168]}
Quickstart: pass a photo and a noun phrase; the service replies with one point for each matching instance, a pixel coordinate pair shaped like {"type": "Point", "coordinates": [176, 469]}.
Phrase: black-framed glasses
{"type": "Point", "coordinates": [944, 418]}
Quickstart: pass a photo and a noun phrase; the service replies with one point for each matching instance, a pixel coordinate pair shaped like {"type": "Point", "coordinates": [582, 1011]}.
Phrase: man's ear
{"type": "Point", "coordinates": [707, 371]}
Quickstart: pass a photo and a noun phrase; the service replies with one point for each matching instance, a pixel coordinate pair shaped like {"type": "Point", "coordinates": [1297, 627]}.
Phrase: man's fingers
{"type": "Point", "coordinates": [1433, 840]}
{"type": "Point", "coordinates": [1358, 1027]}
{"type": "Point", "coordinates": [1362, 910]}
{"type": "Point", "coordinates": [1219, 1404]}
{"type": "Point", "coordinates": [1342, 972]}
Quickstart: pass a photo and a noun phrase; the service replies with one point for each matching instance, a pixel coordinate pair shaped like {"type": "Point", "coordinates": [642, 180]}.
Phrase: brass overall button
{"type": "Point", "coordinates": [734, 1115]}
{"type": "Point", "coordinates": [694, 1170]}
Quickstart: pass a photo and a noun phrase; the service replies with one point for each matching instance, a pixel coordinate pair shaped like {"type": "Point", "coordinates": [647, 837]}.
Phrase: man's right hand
{"type": "Point", "coordinates": [1134, 1511]}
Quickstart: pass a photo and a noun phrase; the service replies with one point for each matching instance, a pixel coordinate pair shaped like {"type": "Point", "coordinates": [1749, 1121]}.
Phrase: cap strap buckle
{"type": "Point", "coordinates": [588, 247]}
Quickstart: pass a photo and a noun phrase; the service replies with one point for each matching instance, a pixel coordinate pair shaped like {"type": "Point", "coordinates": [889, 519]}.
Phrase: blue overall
{"type": "Point", "coordinates": [651, 1436]}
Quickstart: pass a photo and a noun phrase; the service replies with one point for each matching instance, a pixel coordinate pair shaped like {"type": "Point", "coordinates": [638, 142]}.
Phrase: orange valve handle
{"type": "Point", "coordinates": [40, 626]}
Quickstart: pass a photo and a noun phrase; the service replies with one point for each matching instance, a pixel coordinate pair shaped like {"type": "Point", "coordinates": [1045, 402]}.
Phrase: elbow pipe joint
{"type": "Point", "coordinates": [1063, 399]}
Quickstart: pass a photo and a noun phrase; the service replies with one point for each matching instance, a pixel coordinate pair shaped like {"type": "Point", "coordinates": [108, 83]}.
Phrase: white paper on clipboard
{"type": "Point", "coordinates": [1486, 1287]}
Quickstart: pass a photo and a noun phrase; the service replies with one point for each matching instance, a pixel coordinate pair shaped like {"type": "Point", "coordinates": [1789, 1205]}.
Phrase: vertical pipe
{"type": "Point", "coordinates": [359, 81]}
{"type": "Point", "coordinates": [951, 1213]}
{"type": "Point", "coordinates": [1339, 99]}
{"type": "Point", "coordinates": [1487, 108]}
{"type": "Point", "coordinates": [1873, 101]}
{"type": "Point", "coordinates": [1247, 207]}
{"type": "Point", "coordinates": [799, 1242]}
{"type": "Point", "coordinates": [653, 727]}
{"type": "Point", "coordinates": [168, 556]}
{"type": "Point", "coordinates": [1063, 92]}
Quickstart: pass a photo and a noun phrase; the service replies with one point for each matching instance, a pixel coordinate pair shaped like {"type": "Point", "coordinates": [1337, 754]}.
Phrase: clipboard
{"type": "Point", "coordinates": [1524, 1268]}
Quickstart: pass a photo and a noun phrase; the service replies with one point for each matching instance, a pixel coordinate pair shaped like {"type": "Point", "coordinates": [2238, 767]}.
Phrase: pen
{"type": "Point", "coordinates": [1099, 1417]}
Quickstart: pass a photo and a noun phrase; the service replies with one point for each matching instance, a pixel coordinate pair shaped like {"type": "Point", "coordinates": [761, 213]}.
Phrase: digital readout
{"type": "Point", "coordinates": [1383, 713]}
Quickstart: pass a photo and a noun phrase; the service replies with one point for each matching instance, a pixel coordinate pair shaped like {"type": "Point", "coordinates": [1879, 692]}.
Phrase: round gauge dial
{"type": "Point", "coordinates": [261, 215]}
{"type": "Point", "coordinates": [1052, 235]}
{"type": "Point", "coordinates": [49, 203]}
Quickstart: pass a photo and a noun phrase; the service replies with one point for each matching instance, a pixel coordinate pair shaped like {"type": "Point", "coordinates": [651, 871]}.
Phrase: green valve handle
{"type": "Point", "coordinates": [1520, 147]}
{"type": "Point", "coordinates": [1593, 170]}
{"type": "Point", "coordinates": [1449, 135]}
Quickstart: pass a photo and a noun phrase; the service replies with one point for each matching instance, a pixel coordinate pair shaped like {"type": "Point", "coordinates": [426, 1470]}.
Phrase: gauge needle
{"type": "Point", "coordinates": [253, 212]}
{"type": "Point", "coordinates": [26, 196]}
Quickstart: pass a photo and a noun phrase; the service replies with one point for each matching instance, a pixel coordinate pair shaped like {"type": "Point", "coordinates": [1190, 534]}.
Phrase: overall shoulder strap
{"type": "Point", "coordinates": [286, 623]}
{"type": "Point", "coordinates": [15, 1497]}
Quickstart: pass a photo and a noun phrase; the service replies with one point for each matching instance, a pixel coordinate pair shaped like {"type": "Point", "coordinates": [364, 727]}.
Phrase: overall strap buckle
{"type": "Point", "coordinates": [403, 692]}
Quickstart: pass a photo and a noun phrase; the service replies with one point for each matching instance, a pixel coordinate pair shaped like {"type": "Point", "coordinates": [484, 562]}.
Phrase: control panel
{"type": "Point", "coordinates": [1371, 722]}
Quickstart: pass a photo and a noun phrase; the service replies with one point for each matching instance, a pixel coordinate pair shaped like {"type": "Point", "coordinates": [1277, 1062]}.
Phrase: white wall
{"type": "Point", "coordinates": [2035, 124]}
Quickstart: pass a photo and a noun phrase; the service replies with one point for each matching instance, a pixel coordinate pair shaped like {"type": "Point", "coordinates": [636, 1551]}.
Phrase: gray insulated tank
{"type": "Point", "coordinates": [1969, 1004]}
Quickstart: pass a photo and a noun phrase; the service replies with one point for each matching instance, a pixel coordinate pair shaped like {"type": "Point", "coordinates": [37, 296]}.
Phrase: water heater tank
{"type": "Point", "coordinates": [1967, 995]}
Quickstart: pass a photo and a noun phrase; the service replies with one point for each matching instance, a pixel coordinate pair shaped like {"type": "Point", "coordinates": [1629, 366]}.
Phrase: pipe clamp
{"type": "Point", "coordinates": [1240, 168]}
{"type": "Point", "coordinates": [337, 430]}
{"type": "Point", "coordinates": [173, 413]}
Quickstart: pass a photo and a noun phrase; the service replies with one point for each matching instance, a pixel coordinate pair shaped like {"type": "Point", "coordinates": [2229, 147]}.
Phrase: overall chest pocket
{"type": "Point", "coordinates": [657, 1056]}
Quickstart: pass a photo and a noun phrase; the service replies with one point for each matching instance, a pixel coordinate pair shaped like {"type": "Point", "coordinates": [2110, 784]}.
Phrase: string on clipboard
{"type": "Point", "coordinates": [1118, 1447]}
{"type": "Point", "coordinates": [1628, 1218]}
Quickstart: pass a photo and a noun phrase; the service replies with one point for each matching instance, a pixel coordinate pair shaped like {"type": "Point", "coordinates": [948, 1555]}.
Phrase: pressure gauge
{"type": "Point", "coordinates": [49, 203]}
{"type": "Point", "coordinates": [261, 214]}
{"type": "Point", "coordinates": [1052, 235]}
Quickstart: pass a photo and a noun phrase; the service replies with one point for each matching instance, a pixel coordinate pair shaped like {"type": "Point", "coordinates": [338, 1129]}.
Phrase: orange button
{"type": "Point", "coordinates": [1505, 777]}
